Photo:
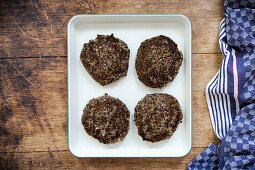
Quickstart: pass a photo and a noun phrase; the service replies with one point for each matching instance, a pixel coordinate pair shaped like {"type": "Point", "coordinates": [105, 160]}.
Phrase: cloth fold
{"type": "Point", "coordinates": [236, 150]}
{"type": "Point", "coordinates": [231, 93]}
{"type": "Point", "coordinates": [233, 86]}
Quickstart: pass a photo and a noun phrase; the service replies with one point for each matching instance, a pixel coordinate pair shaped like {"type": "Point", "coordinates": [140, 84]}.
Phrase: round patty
{"type": "Point", "coordinates": [157, 116]}
{"type": "Point", "coordinates": [106, 58]}
{"type": "Point", "coordinates": [106, 118]}
{"type": "Point", "coordinates": [158, 61]}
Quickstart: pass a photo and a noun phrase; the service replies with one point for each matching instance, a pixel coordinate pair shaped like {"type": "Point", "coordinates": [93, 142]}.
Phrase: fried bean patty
{"type": "Point", "coordinates": [158, 61]}
{"type": "Point", "coordinates": [106, 58]}
{"type": "Point", "coordinates": [106, 118]}
{"type": "Point", "coordinates": [157, 116]}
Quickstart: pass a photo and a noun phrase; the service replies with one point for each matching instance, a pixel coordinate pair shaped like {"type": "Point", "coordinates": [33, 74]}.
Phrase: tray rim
{"type": "Point", "coordinates": [68, 80]}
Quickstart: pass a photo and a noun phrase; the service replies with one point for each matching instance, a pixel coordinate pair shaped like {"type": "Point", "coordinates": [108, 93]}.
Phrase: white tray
{"type": "Point", "coordinates": [133, 29]}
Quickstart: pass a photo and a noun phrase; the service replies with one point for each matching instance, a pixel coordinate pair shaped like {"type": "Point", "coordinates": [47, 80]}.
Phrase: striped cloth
{"type": "Point", "coordinates": [221, 90]}
{"type": "Point", "coordinates": [231, 93]}
{"type": "Point", "coordinates": [232, 86]}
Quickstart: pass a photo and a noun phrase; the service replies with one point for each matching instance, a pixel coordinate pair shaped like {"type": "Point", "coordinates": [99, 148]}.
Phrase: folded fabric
{"type": "Point", "coordinates": [233, 86]}
{"type": "Point", "coordinates": [231, 93]}
{"type": "Point", "coordinates": [237, 149]}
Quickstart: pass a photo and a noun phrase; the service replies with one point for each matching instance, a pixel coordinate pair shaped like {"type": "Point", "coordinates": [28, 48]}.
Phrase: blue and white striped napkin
{"type": "Point", "coordinates": [231, 93]}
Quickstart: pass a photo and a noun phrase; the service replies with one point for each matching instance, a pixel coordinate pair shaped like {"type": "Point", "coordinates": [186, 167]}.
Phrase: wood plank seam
{"type": "Point", "coordinates": [9, 58]}
{"type": "Point", "coordinates": [64, 150]}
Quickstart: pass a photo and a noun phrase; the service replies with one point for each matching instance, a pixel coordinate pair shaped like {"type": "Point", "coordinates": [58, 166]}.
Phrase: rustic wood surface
{"type": "Point", "coordinates": [33, 79]}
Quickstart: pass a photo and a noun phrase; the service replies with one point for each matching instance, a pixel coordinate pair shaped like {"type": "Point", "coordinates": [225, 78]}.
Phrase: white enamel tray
{"type": "Point", "coordinates": [133, 29]}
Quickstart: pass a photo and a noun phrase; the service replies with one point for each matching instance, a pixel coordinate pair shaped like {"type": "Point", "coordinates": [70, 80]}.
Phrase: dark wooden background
{"type": "Point", "coordinates": [33, 79]}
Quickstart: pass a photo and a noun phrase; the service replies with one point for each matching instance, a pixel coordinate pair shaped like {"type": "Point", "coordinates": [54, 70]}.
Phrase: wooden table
{"type": "Point", "coordinates": [33, 79]}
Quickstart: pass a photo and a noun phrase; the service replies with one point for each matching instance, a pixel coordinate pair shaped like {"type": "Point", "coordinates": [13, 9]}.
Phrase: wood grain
{"type": "Point", "coordinates": [204, 67]}
{"type": "Point", "coordinates": [34, 103]}
{"type": "Point", "coordinates": [34, 96]}
{"type": "Point", "coordinates": [65, 160]}
{"type": "Point", "coordinates": [33, 80]}
{"type": "Point", "coordinates": [38, 28]}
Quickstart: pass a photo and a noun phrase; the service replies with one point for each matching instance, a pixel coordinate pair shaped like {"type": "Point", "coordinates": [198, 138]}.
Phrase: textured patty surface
{"type": "Point", "coordinates": [158, 61]}
{"type": "Point", "coordinates": [157, 116]}
{"type": "Point", "coordinates": [106, 58]}
{"type": "Point", "coordinates": [106, 118]}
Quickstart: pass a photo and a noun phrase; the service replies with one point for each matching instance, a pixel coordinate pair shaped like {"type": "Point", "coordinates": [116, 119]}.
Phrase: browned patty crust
{"type": "Point", "coordinates": [106, 118]}
{"type": "Point", "coordinates": [157, 116]}
{"type": "Point", "coordinates": [106, 58]}
{"type": "Point", "coordinates": [158, 61]}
